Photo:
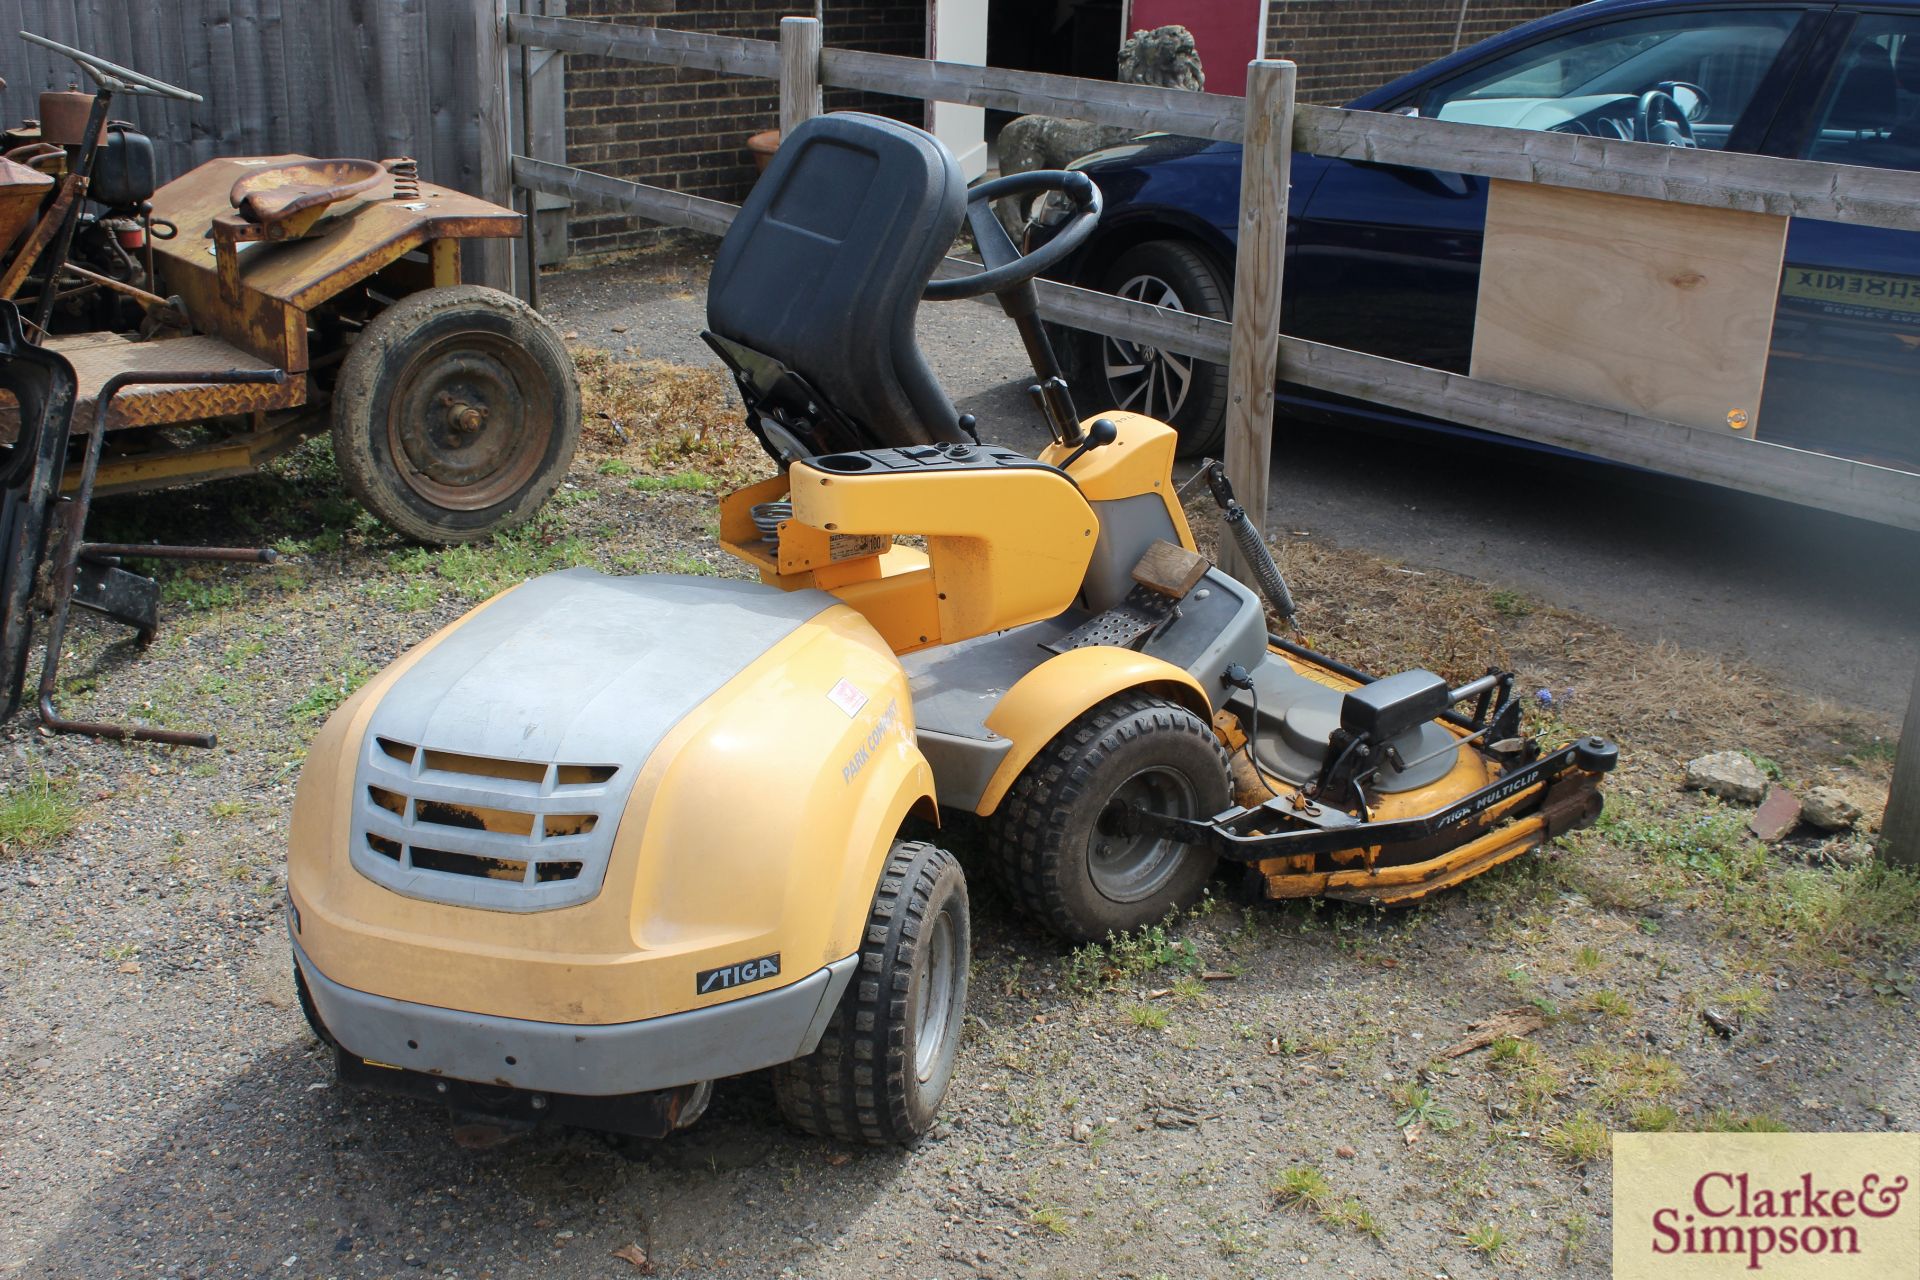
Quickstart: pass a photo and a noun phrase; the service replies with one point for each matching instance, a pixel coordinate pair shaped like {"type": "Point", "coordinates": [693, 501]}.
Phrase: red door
{"type": "Point", "coordinates": [1225, 32]}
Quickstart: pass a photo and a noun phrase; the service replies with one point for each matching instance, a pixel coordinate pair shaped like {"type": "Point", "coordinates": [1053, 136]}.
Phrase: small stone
{"type": "Point", "coordinates": [1778, 814]}
{"type": "Point", "coordinates": [619, 328]}
{"type": "Point", "coordinates": [1729, 775]}
{"type": "Point", "coordinates": [1829, 809]}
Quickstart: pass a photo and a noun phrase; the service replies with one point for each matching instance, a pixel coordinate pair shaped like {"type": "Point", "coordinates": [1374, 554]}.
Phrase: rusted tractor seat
{"type": "Point", "coordinates": [287, 199]}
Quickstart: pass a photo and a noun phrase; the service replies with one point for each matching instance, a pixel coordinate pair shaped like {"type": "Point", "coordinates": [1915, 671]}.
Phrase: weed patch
{"type": "Point", "coordinates": [37, 813]}
{"type": "Point", "coordinates": [680, 482]}
{"type": "Point", "coordinates": [1582, 1138]}
{"type": "Point", "coordinates": [479, 570]}
{"type": "Point", "coordinates": [1127, 957]}
{"type": "Point", "coordinates": [324, 698]}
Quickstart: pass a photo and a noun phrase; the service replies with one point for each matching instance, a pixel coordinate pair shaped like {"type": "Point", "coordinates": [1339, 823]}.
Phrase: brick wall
{"type": "Point", "coordinates": [1348, 47]}
{"type": "Point", "coordinates": [877, 26]}
{"type": "Point", "coordinates": [688, 129]}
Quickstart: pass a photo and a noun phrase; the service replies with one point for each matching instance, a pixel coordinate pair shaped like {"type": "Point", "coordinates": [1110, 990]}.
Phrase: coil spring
{"type": "Point", "coordinates": [406, 177]}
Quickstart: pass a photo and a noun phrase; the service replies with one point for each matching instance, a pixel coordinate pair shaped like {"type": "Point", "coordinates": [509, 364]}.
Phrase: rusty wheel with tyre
{"type": "Point", "coordinates": [456, 414]}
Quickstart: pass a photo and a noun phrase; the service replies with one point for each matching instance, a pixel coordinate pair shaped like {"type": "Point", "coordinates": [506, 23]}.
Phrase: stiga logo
{"type": "Point", "coordinates": [1832, 1205]}
{"type": "Point", "coordinates": [729, 976]}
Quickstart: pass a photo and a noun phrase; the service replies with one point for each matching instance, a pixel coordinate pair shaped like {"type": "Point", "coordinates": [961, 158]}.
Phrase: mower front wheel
{"type": "Point", "coordinates": [883, 1064]}
{"type": "Point", "coordinates": [456, 414]}
{"type": "Point", "coordinates": [1058, 839]}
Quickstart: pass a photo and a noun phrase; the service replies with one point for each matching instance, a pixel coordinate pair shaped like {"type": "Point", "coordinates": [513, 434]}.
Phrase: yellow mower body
{"type": "Point", "coordinates": [432, 904]}
{"type": "Point", "coordinates": [977, 576]}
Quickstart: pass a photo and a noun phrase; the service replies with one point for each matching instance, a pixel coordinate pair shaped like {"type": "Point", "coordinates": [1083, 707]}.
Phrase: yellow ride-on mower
{"type": "Point", "coordinates": [606, 840]}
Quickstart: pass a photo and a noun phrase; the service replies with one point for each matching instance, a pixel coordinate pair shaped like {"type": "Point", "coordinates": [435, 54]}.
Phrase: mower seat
{"type": "Point", "coordinates": [269, 197]}
{"type": "Point", "coordinates": [813, 293]}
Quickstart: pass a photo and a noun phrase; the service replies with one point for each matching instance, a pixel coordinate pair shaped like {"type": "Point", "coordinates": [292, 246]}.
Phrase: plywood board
{"type": "Point", "coordinates": [1658, 309]}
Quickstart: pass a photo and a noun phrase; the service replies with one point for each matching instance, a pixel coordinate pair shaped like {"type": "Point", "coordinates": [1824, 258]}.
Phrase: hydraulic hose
{"type": "Point", "coordinates": [1246, 536]}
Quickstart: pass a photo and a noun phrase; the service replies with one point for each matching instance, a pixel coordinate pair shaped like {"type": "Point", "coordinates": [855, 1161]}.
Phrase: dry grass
{"type": "Point", "coordinates": [665, 419]}
{"type": "Point", "coordinates": [1663, 704]}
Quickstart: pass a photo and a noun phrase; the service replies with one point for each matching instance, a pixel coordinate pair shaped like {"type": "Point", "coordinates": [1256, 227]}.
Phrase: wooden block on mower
{"type": "Point", "coordinates": [1170, 569]}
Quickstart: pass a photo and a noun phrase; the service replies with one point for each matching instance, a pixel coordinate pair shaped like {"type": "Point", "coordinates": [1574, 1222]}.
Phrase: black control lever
{"type": "Point", "coordinates": [1055, 403]}
{"type": "Point", "coordinates": [1104, 431]}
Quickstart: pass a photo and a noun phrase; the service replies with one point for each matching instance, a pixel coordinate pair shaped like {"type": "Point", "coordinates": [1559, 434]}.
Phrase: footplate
{"type": "Point", "coordinates": [1127, 625]}
{"type": "Point", "coordinates": [125, 596]}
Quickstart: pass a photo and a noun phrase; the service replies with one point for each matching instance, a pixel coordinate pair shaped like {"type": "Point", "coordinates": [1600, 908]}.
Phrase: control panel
{"type": "Point", "coordinates": [923, 458]}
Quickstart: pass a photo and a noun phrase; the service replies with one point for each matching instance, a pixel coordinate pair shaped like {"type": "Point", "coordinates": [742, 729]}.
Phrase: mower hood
{"type": "Point", "coordinates": [517, 739]}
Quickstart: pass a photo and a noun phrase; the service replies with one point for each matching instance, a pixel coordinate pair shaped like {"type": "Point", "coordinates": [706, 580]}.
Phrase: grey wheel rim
{"type": "Point", "coordinates": [933, 1018]}
{"type": "Point", "coordinates": [1132, 868]}
{"type": "Point", "coordinates": [1146, 379]}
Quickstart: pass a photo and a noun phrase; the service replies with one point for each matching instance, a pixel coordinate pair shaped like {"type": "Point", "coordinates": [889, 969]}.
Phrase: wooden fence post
{"type": "Point", "coordinates": [1900, 828]}
{"type": "Point", "coordinates": [1254, 355]}
{"type": "Point", "coordinates": [490, 261]}
{"type": "Point", "coordinates": [800, 41]}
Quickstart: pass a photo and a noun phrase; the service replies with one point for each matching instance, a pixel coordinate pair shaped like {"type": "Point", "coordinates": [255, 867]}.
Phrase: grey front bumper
{"type": "Point", "coordinates": [631, 1057]}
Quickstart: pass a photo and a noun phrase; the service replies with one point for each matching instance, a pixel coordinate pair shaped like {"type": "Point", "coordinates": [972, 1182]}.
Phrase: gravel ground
{"type": "Point", "coordinates": [1126, 1112]}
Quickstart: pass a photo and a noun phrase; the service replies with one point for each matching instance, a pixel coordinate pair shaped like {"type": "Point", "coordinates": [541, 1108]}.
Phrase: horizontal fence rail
{"type": "Point", "coordinates": [657, 204]}
{"type": "Point", "coordinates": [732, 54]}
{"type": "Point", "coordinates": [1677, 175]}
{"type": "Point", "coordinates": [1147, 108]}
{"type": "Point", "coordinates": [1689, 176]}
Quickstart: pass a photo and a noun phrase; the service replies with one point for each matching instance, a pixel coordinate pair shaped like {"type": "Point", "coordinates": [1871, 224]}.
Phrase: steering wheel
{"type": "Point", "coordinates": [113, 77]}
{"type": "Point", "coordinates": [1007, 267]}
{"type": "Point", "coordinates": [1659, 119]}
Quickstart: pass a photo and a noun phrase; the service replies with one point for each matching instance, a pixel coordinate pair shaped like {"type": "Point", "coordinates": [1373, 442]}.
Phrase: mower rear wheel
{"type": "Point", "coordinates": [456, 414]}
{"type": "Point", "coordinates": [1056, 838]}
{"type": "Point", "coordinates": [883, 1064]}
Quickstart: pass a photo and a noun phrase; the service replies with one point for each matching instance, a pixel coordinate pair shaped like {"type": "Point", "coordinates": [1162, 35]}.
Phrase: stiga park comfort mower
{"type": "Point", "coordinates": [606, 840]}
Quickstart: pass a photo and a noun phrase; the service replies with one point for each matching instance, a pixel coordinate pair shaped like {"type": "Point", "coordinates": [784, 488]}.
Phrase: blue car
{"type": "Point", "coordinates": [1386, 259]}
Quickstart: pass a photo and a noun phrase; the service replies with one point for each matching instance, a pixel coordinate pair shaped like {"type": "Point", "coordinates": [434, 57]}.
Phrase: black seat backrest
{"type": "Point", "coordinates": [820, 276]}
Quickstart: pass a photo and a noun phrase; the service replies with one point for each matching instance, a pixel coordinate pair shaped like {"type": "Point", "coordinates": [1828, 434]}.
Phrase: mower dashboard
{"type": "Point", "coordinates": [925, 458]}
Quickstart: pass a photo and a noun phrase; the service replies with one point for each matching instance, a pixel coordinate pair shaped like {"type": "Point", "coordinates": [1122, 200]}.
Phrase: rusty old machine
{"type": "Point", "coordinates": [198, 328]}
